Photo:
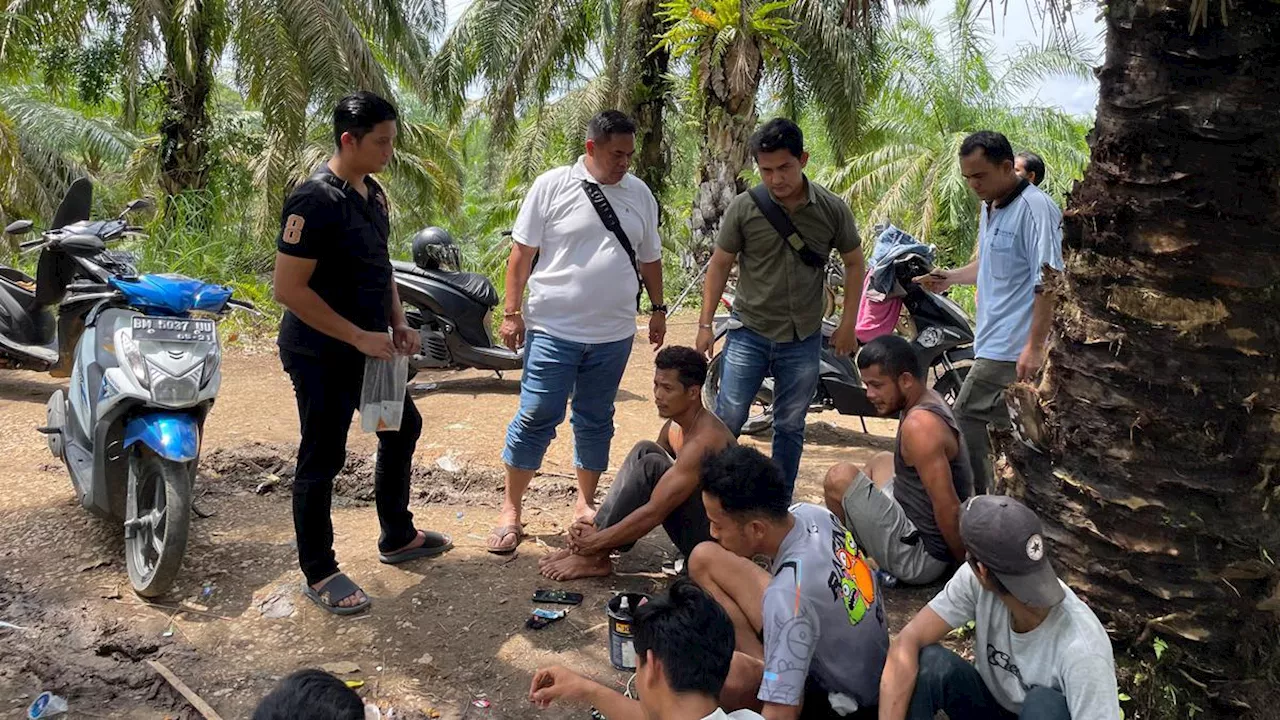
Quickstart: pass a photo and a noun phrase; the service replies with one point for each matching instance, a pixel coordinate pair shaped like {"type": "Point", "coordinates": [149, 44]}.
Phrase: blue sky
{"type": "Point", "coordinates": [1016, 25]}
{"type": "Point", "coordinates": [1022, 24]}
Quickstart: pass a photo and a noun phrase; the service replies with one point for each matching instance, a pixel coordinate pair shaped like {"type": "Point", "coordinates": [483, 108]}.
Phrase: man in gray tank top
{"type": "Point", "coordinates": [904, 507]}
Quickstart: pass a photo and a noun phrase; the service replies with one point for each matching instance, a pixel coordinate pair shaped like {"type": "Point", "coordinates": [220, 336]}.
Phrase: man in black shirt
{"type": "Point", "coordinates": [333, 273]}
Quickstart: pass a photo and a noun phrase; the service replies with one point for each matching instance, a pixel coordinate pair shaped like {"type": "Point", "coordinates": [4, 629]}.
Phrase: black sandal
{"type": "Point", "coordinates": [340, 586]}
{"type": "Point", "coordinates": [433, 544]}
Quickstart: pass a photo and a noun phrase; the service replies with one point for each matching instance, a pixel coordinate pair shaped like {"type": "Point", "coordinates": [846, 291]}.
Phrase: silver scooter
{"type": "Point", "coordinates": [145, 368]}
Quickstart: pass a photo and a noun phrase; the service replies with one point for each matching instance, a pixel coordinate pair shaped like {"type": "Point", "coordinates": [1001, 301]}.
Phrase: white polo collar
{"type": "Point", "coordinates": [579, 173]}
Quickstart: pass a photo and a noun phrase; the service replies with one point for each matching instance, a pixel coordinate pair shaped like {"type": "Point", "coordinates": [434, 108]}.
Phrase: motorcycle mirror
{"type": "Point", "coordinates": [18, 227]}
{"type": "Point", "coordinates": [137, 205]}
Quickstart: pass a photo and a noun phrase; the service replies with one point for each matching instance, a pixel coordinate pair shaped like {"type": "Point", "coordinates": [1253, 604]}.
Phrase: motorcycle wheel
{"type": "Point", "coordinates": [948, 384]}
{"type": "Point", "coordinates": [157, 519]}
{"type": "Point", "coordinates": [759, 418]}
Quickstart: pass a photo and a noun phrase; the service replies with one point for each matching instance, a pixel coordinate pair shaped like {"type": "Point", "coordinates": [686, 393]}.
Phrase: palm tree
{"type": "Point", "coordinates": [423, 179]}
{"type": "Point", "coordinates": [289, 55]}
{"type": "Point", "coordinates": [733, 48]}
{"type": "Point", "coordinates": [529, 54]}
{"type": "Point", "coordinates": [45, 145]}
{"type": "Point", "coordinates": [1157, 420]}
{"type": "Point", "coordinates": [933, 87]}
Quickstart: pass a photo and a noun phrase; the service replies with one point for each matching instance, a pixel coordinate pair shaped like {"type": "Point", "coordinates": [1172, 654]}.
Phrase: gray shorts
{"type": "Point", "coordinates": [883, 530]}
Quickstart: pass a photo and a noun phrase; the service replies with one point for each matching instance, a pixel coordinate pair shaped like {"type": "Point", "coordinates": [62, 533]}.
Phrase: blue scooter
{"type": "Point", "coordinates": [145, 368]}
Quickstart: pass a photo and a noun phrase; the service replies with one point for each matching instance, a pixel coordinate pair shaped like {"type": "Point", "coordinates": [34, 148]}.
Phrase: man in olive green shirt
{"type": "Point", "coordinates": [777, 312]}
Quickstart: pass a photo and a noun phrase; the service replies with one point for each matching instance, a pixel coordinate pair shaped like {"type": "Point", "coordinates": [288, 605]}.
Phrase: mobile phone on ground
{"type": "Point", "coordinates": [558, 597]}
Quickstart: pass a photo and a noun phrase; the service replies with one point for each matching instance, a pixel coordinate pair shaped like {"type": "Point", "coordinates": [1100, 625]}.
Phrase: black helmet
{"type": "Point", "coordinates": [433, 249]}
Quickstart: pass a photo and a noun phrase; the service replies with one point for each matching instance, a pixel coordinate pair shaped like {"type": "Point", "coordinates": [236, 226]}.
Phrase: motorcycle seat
{"type": "Point", "coordinates": [473, 285]}
{"type": "Point", "coordinates": [19, 284]}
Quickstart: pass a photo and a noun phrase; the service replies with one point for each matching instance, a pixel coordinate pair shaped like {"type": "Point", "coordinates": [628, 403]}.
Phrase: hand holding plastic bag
{"type": "Point", "coordinates": [382, 396]}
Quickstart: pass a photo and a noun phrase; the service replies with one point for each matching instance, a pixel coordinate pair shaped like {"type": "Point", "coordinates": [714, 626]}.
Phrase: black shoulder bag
{"type": "Point", "coordinates": [610, 220]}
{"type": "Point", "coordinates": [780, 222]}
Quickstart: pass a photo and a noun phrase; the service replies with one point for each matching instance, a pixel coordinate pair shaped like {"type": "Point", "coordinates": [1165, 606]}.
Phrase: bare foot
{"type": "Point", "coordinates": [510, 515]}
{"type": "Point", "coordinates": [350, 601]}
{"type": "Point", "coordinates": [507, 533]}
{"type": "Point", "coordinates": [574, 567]}
{"type": "Point", "coordinates": [584, 511]}
{"type": "Point", "coordinates": [555, 556]}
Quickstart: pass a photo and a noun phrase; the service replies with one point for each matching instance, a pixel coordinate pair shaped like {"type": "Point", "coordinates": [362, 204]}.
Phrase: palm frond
{"type": "Point", "coordinates": [932, 86]}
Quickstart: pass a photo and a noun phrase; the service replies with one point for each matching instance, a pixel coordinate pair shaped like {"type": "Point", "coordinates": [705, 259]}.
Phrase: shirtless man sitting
{"type": "Point", "coordinates": [658, 482]}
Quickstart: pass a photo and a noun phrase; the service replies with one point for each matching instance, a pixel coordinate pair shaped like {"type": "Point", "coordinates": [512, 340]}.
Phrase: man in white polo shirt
{"type": "Point", "coordinates": [592, 228]}
{"type": "Point", "coordinates": [1019, 233]}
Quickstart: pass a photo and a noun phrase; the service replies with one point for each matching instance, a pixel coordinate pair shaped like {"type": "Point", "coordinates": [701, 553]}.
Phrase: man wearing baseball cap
{"type": "Point", "coordinates": [1039, 651]}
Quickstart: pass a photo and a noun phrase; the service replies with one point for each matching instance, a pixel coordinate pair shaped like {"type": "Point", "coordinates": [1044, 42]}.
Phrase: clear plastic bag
{"type": "Point", "coordinates": [382, 396]}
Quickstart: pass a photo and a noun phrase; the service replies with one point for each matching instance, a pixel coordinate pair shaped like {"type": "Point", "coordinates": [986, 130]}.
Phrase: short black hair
{"type": "Point", "coordinates": [746, 482]}
{"type": "Point", "coordinates": [893, 354]}
{"type": "Point", "coordinates": [777, 134]}
{"type": "Point", "coordinates": [691, 634]}
{"type": "Point", "coordinates": [608, 123]}
{"type": "Point", "coordinates": [1033, 163]}
{"type": "Point", "coordinates": [359, 113]}
{"type": "Point", "coordinates": [312, 694]}
{"type": "Point", "coordinates": [993, 145]}
{"type": "Point", "coordinates": [690, 364]}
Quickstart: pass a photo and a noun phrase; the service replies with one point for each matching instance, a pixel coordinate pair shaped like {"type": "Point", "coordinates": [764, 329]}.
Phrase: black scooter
{"type": "Point", "coordinates": [39, 317]}
{"type": "Point", "coordinates": [942, 338]}
{"type": "Point", "coordinates": [451, 309]}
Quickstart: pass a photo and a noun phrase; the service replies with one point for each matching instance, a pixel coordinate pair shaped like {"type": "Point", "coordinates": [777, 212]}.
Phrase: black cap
{"type": "Point", "coordinates": [1008, 539]}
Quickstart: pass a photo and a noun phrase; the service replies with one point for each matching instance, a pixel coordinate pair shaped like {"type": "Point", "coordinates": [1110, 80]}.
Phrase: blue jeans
{"type": "Point", "coordinates": [554, 369]}
{"type": "Point", "coordinates": [949, 682]}
{"type": "Point", "coordinates": [747, 359]}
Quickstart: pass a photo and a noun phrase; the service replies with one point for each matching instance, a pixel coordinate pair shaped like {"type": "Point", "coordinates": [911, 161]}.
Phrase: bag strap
{"type": "Point", "coordinates": [610, 220]}
{"type": "Point", "coordinates": [786, 229]}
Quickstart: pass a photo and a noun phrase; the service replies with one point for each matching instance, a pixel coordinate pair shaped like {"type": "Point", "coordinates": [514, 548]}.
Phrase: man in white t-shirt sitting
{"type": "Point", "coordinates": [1040, 651]}
{"type": "Point", "coordinates": [684, 646]}
{"type": "Point", "coordinates": [580, 316]}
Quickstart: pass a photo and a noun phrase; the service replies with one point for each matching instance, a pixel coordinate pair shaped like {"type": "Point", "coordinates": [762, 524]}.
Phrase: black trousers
{"type": "Point", "coordinates": [328, 392]}
{"type": "Point", "coordinates": [632, 487]}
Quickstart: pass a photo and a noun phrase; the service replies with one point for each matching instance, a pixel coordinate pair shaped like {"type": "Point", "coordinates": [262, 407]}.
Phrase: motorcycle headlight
{"type": "Point", "coordinates": [132, 358]}
{"type": "Point", "coordinates": [212, 360]}
{"type": "Point", "coordinates": [175, 391]}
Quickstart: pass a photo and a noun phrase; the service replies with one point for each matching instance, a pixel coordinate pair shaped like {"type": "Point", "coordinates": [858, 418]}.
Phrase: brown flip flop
{"type": "Point", "coordinates": [498, 534]}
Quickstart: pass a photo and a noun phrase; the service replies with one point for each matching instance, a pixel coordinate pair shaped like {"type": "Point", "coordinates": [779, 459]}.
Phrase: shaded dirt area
{"type": "Point", "coordinates": [442, 632]}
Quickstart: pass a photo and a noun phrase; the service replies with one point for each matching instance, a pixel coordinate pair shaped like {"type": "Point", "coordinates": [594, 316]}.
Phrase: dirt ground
{"type": "Point", "coordinates": [442, 633]}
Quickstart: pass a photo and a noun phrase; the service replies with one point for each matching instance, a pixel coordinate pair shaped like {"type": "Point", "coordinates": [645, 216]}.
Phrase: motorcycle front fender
{"type": "Point", "coordinates": [172, 436]}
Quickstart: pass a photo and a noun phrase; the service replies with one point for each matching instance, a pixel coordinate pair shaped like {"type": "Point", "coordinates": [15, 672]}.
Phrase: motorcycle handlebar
{"type": "Point", "coordinates": [244, 305]}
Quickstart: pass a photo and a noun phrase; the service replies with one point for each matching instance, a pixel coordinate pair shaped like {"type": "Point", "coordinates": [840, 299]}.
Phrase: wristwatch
{"type": "Point", "coordinates": [658, 309]}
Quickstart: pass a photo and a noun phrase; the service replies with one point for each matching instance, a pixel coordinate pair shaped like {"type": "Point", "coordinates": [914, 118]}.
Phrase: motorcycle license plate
{"type": "Point", "coordinates": [172, 329]}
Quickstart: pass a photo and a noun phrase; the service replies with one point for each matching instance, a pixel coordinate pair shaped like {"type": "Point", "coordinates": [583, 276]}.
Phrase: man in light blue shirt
{"type": "Point", "coordinates": [1019, 234]}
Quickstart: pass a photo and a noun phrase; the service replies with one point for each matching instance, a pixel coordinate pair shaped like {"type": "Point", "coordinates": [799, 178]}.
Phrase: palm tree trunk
{"type": "Point", "coordinates": [649, 100]}
{"type": "Point", "coordinates": [188, 79]}
{"type": "Point", "coordinates": [1159, 415]}
{"type": "Point", "coordinates": [729, 115]}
